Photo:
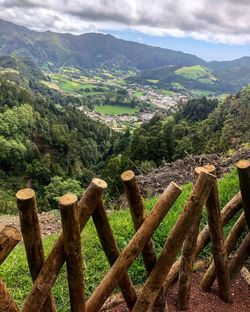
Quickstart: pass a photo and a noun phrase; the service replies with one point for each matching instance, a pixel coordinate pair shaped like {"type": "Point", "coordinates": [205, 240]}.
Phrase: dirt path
{"type": "Point", "coordinates": [50, 222]}
{"type": "Point", "coordinates": [206, 302]}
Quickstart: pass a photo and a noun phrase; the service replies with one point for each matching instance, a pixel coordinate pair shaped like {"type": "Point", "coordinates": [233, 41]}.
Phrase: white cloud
{"type": "Point", "coordinates": [225, 21]}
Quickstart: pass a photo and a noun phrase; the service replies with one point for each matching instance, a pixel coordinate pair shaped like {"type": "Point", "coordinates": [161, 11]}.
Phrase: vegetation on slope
{"type": "Point", "coordinates": [200, 126]}
{"type": "Point", "coordinates": [15, 272]}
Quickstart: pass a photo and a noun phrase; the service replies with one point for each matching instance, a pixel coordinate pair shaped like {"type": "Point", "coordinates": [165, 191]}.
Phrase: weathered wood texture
{"type": "Point", "coordinates": [7, 304]}
{"type": "Point", "coordinates": [139, 214]}
{"type": "Point", "coordinates": [134, 247]}
{"type": "Point", "coordinates": [72, 251]}
{"type": "Point", "coordinates": [196, 200]}
{"type": "Point", "coordinates": [218, 248]}
{"type": "Point", "coordinates": [112, 251]}
{"type": "Point", "coordinates": [188, 255]}
{"type": "Point", "coordinates": [230, 209]}
{"type": "Point", "coordinates": [9, 238]}
{"type": "Point", "coordinates": [243, 167]}
{"type": "Point", "coordinates": [55, 260]}
{"type": "Point", "coordinates": [239, 258]}
{"type": "Point", "coordinates": [30, 228]}
{"type": "Point", "coordinates": [230, 242]}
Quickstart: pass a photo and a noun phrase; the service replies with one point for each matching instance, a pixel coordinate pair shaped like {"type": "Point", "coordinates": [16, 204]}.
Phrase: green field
{"type": "Point", "coordinates": [14, 271]}
{"type": "Point", "coordinates": [8, 71]}
{"type": "Point", "coordinates": [138, 93]}
{"type": "Point", "coordinates": [197, 72]}
{"type": "Point", "coordinates": [115, 110]}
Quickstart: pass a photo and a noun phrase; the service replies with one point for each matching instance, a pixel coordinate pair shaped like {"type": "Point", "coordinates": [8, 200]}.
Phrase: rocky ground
{"type": "Point", "coordinates": [181, 171]}
{"type": "Point", "coordinates": [49, 222]}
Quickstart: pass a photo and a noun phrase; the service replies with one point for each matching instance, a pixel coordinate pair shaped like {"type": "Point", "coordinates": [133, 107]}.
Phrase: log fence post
{"type": "Point", "coordinates": [9, 238]}
{"type": "Point", "coordinates": [230, 242]}
{"type": "Point", "coordinates": [197, 199]}
{"type": "Point", "coordinates": [218, 248]}
{"type": "Point", "coordinates": [112, 251]}
{"type": "Point", "coordinates": [227, 213]}
{"type": "Point", "coordinates": [239, 258]}
{"type": "Point", "coordinates": [53, 264]}
{"type": "Point", "coordinates": [188, 254]}
{"type": "Point", "coordinates": [243, 167]}
{"type": "Point", "coordinates": [7, 303]}
{"type": "Point", "coordinates": [139, 214]}
{"type": "Point", "coordinates": [72, 250]}
{"type": "Point", "coordinates": [30, 228]}
{"type": "Point", "coordinates": [134, 247]}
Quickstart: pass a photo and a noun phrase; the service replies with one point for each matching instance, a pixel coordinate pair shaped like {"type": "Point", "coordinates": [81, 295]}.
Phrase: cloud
{"type": "Point", "coordinates": [225, 21]}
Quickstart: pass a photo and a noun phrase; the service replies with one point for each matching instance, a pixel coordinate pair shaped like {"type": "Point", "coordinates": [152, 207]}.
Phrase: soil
{"type": "Point", "coordinates": [205, 302]}
{"type": "Point", "coordinates": [181, 170]}
{"type": "Point", "coordinates": [49, 222]}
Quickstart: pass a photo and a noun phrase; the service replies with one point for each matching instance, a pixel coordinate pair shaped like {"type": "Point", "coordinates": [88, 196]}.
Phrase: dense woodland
{"type": "Point", "coordinates": [47, 143]}
{"type": "Point", "coordinates": [200, 126]}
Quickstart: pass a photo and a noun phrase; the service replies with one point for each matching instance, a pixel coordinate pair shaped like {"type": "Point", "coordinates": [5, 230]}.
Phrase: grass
{"type": "Point", "coordinates": [197, 72]}
{"type": "Point", "coordinates": [115, 110]}
{"type": "Point", "coordinates": [167, 92]}
{"type": "Point", "coordinates": [15, 273]}
{"type": "Point", "coordinates": [8, 71]}
{"type": "Point", "coordinates": [139, 93]}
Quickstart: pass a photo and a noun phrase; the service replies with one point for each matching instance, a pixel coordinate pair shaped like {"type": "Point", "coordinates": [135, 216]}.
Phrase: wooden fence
{"type": "Point", "coordinates": [162, 272]}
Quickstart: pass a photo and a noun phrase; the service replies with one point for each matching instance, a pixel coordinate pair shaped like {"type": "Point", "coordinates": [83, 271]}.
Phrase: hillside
{"type": "Point", "coordinates": [162, 68]}
{"type": "Point", "coordinates": [200, 126]}
{"type": "Point", "coordinates": [86, 51]}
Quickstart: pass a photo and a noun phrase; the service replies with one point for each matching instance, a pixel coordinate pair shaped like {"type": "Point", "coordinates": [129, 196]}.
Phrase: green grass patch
{"type": "Point", "coordinates": [196, 72]}
{"type": "Point", "coordinates": [115, 110]}
{"type": "Point", "coordinates": [15, 273]}
{"type": "Point", "coordinates": [167, 92]}
{"type": "Point", "coordinates": [8, 71]}
{"type": "Point", "coordinates": [139, 93]}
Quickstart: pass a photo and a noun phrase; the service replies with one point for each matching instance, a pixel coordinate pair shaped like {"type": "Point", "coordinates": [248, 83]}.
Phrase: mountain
{"type": "Point", "coordinates": [87, 51]}
{"type": "Point", "coordinates": [172, 70]}
{"type": "Point", "coordinates": [23, 67]}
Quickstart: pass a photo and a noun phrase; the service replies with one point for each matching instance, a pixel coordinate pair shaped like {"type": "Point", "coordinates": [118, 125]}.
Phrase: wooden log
{"type": "Point", "coordinates": [9, 238]}
{"type": "Point", "coordinates": [30, 228]}
{"type": "Point", "coordinates": [139, 214]}
{"type": "Point", "coordinates": [239, 258]}
{"type": "Point", "coordinates": [7, 303]}
{"type": "Point", "coordinates": [243, 167]}
{"type": "Point", "coordinates": [112, 251]}
{"type": "Point", "coordinates": [218, 247]}
{"type": "Point", "coordinates": [134, 247]}
{"type": "Point", "coordinates": [210, 275]}
{"type": "Point", "coordinates": [188, 255]}
{"type": "Point", "coordinates": [197, 199]}
{"type": "Point", "coordinates": [230, 209]}
{"type": "Point", "coordinates": [72, 250]}
{"type": "Point", "coordinates": [55, 260]}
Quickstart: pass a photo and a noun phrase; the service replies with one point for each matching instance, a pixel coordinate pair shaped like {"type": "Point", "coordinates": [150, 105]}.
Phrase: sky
{"type": "Point", "coordinates": [210, 29]}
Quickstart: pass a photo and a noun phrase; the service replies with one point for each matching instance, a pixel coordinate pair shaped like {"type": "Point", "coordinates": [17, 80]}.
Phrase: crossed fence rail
{"type": "Point", "coordinates": [162, 271]}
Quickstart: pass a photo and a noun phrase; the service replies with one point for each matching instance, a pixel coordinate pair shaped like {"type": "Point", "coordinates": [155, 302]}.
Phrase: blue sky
{"type": "Point", "coordinates": [208, 51]}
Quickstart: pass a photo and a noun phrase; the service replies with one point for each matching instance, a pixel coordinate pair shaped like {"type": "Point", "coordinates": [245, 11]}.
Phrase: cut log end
{"type": "Point", "coordinates": [12, 232]}
{"type": "Point", "coordinates": [127, 175]}
{"type": "Point", "coordinates": [243, 164]}
{"type": "Point", "coordinates": [68, 200]}
{"type": "Point", "coordinates": [100, 183]}
{"type": "Point", "coordinates": [25, 194]}
{"type": "Point", "coordinates": [175, 185]}
{"type": "Point", "coordinates": [210, 168]}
